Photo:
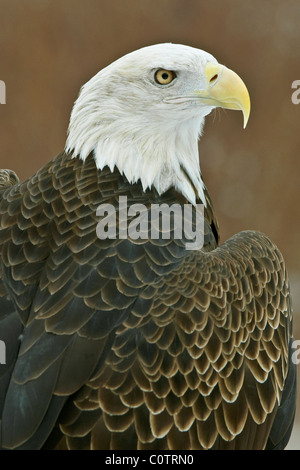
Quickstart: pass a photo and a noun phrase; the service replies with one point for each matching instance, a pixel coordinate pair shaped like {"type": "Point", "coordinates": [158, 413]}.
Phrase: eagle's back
{"type": "Point", "coordinates": [136, 344]}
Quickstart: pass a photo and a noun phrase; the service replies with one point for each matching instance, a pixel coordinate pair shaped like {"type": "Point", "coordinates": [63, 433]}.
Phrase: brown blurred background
{"type": "Point", "coordinates": [50, 48]}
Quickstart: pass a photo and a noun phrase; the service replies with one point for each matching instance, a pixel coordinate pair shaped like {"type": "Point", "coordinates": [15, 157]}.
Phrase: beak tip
{"type": "Point", "coordinates": [246, 118]}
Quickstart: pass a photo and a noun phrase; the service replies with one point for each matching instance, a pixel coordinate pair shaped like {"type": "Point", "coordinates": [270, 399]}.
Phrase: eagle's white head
{"type": "Point", "coordinates": [144, 114]}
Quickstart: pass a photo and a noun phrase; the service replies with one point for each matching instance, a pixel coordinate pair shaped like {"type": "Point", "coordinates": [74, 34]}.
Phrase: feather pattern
{"type": "Point", "coordinates": [136, 344]}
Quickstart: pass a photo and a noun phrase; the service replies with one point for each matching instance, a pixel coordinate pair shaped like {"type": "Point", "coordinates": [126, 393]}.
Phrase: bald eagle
{"type": "Point", "coordinates": [139, 343]}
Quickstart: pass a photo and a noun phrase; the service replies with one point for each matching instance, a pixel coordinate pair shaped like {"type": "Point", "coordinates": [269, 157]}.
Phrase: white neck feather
{"type": "Point", "coordinates": [150, 149]}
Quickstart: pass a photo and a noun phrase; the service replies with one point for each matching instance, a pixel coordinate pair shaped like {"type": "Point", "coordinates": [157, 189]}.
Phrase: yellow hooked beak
{"type": "Point", "coordinates": [226, 89]}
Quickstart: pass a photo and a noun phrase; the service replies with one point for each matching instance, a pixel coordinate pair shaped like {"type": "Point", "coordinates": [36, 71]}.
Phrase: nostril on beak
{"type": "Point", "coordinates": [214, 78]}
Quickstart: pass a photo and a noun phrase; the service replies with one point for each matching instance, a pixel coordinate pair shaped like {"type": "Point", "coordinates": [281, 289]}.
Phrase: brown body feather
{"type": "Point", "coordinates": [136, 344]}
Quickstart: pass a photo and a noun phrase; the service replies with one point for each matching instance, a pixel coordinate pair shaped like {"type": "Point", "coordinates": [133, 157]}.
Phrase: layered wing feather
{"type": "Point", "coordinates": [136, 344]}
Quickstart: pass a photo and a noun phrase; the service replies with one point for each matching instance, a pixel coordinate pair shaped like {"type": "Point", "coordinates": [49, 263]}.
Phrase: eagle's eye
{"type": "Point", "coordinates": [164, 77]}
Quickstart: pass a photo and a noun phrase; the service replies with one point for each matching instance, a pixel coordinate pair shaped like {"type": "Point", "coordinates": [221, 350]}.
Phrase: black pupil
{"type": "Point", "coordinates": [165, 76]}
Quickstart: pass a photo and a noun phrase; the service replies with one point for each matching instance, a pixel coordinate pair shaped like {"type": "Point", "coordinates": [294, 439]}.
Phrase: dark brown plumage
{"type": "Point", "coordinates": [136, 344]}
